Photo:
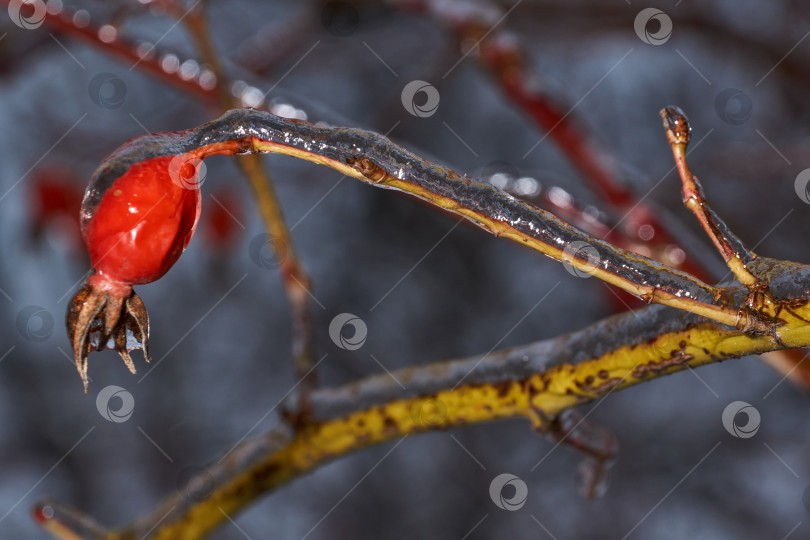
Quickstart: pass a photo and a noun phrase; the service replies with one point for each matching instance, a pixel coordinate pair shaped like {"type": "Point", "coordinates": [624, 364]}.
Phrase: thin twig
{"type": "Point", "coordinates": [296, 281]}
{"type": "Point", "coordinates": [147, 61]}
{"type": "Point", "coordinates": [734, 253]}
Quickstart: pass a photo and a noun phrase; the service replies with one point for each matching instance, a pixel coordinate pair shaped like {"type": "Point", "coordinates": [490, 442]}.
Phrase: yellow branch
{"type": "Point", "coordinates": [538, 397]}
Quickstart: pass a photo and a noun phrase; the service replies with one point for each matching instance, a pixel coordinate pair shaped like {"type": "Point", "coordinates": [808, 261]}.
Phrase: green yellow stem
{"type": "Point", "coordinates": [541, 395]}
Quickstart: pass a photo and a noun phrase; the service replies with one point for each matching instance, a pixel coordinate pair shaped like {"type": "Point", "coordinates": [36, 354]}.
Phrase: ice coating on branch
{"type": "Point", "coordinates": [675, 121]}
{"type": "Point", "coordinates": [378, 154]}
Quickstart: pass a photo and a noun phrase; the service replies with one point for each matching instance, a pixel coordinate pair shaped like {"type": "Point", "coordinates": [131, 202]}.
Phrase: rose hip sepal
{"type": "Point", "coordinates": [98, 318]}
{"type": "Point", "coordinates": [138, 215]}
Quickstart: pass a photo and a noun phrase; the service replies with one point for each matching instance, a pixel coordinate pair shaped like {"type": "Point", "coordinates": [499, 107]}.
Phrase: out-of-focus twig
{"type": "Point", "coordinates": [296, 281]}
{"type": "Point", "coordinates": [145, 59]}
{"type": "Point", "coordinates": [503, 58]}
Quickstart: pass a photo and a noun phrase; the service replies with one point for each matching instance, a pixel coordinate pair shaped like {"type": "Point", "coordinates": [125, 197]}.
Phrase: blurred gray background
{"type": "Point", "coordinates": [220, 318]}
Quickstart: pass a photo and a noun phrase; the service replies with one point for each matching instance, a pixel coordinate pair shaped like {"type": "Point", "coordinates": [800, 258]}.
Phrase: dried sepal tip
{"type": "Point", "coordinates": [102, 317]}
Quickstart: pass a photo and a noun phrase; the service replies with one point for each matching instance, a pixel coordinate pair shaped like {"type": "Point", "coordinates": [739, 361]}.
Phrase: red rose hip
{"type": "Point", "coordinates": [136, 221]}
